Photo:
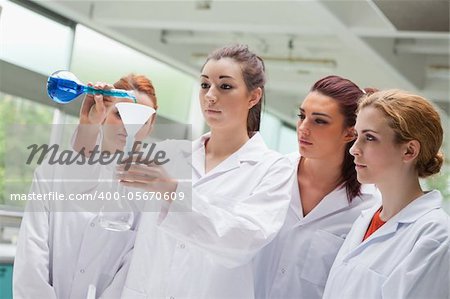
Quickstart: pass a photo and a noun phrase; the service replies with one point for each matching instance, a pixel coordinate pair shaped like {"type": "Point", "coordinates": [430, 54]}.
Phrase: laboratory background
{"type": "Point", "coordinates": [382, 44]}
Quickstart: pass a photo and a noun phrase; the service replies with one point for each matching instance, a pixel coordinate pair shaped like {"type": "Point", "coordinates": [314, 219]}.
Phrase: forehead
{"type": "Point", "coordinates": [141, 98]}
{"type": "Point", "coordinates": [373, 119]}
{"type": "Point", "coordinates": [222, 67]}
{"type": "Point", "coordinates": [317, 102]}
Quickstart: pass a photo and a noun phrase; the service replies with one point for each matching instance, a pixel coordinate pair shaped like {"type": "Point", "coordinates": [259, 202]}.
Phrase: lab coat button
{"type": "Point", "coordinates": [82, 271]}
{"type": "Point", "coordinates": [92, 224]}
{"type": "Point", "coordinates": [182, 246]}
{"type": "Point", "coordinates": [283, 270]}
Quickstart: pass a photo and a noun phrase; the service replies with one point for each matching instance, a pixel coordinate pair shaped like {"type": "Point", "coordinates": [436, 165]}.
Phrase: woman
{"type": "Point", "coordinates": [62, 249]}
{"type": "Point", "coordinates": [240, 195]}
{"type": "Point", "coordinates": [400, 247]}
{"type": "Point", "coordinates": [325, 200]}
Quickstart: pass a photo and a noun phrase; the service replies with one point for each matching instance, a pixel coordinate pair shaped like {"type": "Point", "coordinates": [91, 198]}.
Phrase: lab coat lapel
{"type": "Point", "coordinates": [359, 229]}
{"type": "Point", "coordinates": [331, 203]}
{"type": "Point", "coordinates": [228, 164]}
{"type": "Point", "coordinates": [251, 151]}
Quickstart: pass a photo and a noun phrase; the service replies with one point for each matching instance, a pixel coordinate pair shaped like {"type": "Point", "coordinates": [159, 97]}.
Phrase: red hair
{"type": "Point", "coordinates": [140, 83]}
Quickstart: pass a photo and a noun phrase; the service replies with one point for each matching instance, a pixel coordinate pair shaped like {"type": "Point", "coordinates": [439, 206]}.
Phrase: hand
{"type": "Point", "coordinates": [148, 177]}
{"type": "Point", "coordinates": [95, 107]}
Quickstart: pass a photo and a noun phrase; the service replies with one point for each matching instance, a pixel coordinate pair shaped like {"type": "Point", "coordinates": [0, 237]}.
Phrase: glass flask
{"type": "Point", "coordinates": [63, 87]}
{"type": "Point", "coordinates": [117, 213]}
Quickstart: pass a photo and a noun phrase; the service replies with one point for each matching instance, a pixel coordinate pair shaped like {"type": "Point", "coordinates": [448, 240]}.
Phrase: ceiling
{"type": "Point", "coordinates": [382, 44]}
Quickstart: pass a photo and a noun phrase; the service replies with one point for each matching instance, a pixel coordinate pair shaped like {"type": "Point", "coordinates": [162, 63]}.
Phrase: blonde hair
{"type": "Point", "coordinates": [412, 117]}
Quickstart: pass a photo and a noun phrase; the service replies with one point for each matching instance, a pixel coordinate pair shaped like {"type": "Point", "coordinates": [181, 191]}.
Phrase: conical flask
{"type": "Point", "coordinates": [63, 87]}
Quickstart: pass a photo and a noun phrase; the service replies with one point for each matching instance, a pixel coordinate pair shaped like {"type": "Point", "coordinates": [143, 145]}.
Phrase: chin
{"type": "Point", "coordinates": [364, 180]}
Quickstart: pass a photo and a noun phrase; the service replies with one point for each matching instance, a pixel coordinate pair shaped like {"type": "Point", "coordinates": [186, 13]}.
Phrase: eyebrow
{"type": "Point", "coordinates": [220, 77]}
{"type": "Point", "coordinates": [316, 113]}
{"type": "Point", "coordinates": [369, 130]}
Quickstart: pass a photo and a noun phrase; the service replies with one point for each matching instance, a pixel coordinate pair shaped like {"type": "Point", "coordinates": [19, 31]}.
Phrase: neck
{"type": "Point", "coordinates": [324, 172]}
{"type": "Point", "coordinates": [398, 194]}
{"type": "Point", "coordinates": [223, 143]}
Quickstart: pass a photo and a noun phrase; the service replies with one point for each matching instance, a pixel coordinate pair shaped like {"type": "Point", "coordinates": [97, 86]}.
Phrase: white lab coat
{"type": "Point", "coordinates": [296, 264]}
{"type": "Point", "coordinates": [237, 208]}
{"type": "Point", "coordinates": [407, 257]}
{"type": "Point", "coordinates": [59, 254]}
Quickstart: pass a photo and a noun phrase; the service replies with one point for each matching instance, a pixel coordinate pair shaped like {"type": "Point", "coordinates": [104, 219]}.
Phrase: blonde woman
{"type": "Point", "coordinates": [400, 248]}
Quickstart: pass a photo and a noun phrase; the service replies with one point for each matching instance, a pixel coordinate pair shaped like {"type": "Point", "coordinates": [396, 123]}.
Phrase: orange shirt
{"type": "Point", "coordinates": [375, 224]}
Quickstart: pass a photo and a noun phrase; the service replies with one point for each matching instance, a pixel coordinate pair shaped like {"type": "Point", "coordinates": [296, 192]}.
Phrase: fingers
{"type": "Point", "coordinates": [141, 173]}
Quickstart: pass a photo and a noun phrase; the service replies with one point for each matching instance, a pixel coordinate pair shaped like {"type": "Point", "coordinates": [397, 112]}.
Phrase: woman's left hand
{"type": "Point", "coordinates": [149, 177]}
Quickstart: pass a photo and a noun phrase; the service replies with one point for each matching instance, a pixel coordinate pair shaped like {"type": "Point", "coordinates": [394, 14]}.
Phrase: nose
{"type": "Point", "coordinates": [211, 97]}
{"type": "Point", "coordinates": [302, 128]}
{"type": "Point", "coordinates": [355, 150]}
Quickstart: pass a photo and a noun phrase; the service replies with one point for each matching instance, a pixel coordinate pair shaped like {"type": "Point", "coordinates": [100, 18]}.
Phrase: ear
{"type": "Point", "coordinates": [410, 150]}
{"type": "Point", "coordinates": [349, 134]}
{"type": "Point", "coordinates": [255, 97]}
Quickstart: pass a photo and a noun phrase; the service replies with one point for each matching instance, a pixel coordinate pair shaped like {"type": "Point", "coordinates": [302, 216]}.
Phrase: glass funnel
{"type": "Point", "coordinates": [121, 214]}
{"type": "Point", "coordinates": [63, 87]}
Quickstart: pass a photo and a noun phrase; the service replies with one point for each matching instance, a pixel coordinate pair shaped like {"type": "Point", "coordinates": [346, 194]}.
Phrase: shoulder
{"type": "Point", "coordinates": [435, 225]}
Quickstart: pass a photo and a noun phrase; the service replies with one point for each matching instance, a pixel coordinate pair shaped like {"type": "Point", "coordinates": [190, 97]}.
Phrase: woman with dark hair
{"type": "Point", "coordinates": [326, 197]}
{"type": "Point", "coordinates": [239, 194]}
{"type": "Point", "coordinates": [400, 247]}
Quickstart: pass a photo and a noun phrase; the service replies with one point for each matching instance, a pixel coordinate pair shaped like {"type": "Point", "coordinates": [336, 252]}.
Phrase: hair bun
{"type": "Point", "coordinates": [433, 166]}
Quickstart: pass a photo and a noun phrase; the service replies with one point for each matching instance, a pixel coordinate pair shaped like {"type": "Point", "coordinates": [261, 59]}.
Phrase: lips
{"type": "Point", "coordinates": [213, 111]}
{"type": "Point", "coordinates": [360, 166]}
{"type": "Point", "coordinates": [304, 142]}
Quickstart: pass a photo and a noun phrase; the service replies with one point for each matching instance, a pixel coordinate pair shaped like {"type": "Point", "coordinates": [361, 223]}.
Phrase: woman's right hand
{"type": "Point", "coordinates": [93, 112]}
{"type": "Point", "coordinates": [95, 107]}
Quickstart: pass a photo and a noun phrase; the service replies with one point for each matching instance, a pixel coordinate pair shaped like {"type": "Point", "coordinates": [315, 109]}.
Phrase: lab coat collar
{"type": "Point", "coordinates": [330, 204]}
{"type": "Point", "coordinates": [334, 201]}
{"type": "Point", "coordinates": [252, 151]}
{"type": "Point", "coordinates": [416, 209]}
{"type": "Point", "coordinates": [420, 206]}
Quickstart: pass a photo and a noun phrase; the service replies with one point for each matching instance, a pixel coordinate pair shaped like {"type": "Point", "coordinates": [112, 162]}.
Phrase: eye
{"type": "Point", "coordinates": [370, 137]}
{"type": "Point", "coordinates": [204, 85]}
{"type": "Point", "coordinates": [226, 86]}
{"type": "Point", "coordinates": [118, 115]}
{"type": "Point", "coordinates": [321, 121]}
{"type": "Point", "coordinates": [301, 116]}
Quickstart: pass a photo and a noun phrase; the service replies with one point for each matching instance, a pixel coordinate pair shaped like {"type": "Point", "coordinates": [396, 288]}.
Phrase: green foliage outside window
{"type": "Point", "coordinates": [16, 111]}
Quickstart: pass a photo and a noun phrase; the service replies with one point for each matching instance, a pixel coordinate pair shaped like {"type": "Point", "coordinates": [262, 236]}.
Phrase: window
{"type": "Point", "coordinates": [99, 58]}
{"type": "Point", "coordinates": [288, 140]}
{"type": "Point", "coordinates": [44, 49]}
{"type": "Point", "coordinates": [14, 113]}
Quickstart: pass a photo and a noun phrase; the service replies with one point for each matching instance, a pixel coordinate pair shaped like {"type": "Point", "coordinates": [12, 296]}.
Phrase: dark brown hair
{"type": "Point", "coordinates": [346, 94]}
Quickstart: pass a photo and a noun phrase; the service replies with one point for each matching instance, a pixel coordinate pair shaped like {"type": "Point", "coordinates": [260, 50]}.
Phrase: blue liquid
{"type": "Point", "coordinates": [64, 91]}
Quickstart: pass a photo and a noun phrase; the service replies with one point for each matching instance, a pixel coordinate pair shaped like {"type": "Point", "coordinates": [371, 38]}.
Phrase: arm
{"type": "Point", "coordinates": [31, 276]}
{"type": "Point", "coordinates": [232, 231]}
